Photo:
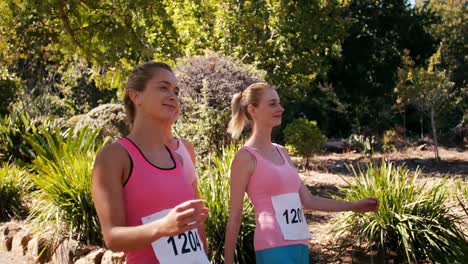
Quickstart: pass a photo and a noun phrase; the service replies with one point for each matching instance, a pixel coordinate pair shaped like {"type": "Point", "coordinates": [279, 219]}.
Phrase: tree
{"type": "Point", "coordinates": [364, 74]}
{"type": "Point", "coordinates": [428, 89]}
{"type": "Point", "coordinates": [451, 30]}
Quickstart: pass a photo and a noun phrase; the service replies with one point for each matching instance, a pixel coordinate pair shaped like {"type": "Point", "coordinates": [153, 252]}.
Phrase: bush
{"type": "Point", "coordinates": [14, 185]}
{"type": "Point", "coordinates": [460, 133]}
{"type": "Point", "coordinates": [110, 119]}
{"type": "Point", "coordinates": [8, 92]}
{"type": "Point", "coordinates": [13, 132]}
{"type": "Point", "coordinates": [393, 140]}
{"type": "Point", "coordinates": [363, 144]}
{"type": "Point", "coordinates": [414, 220]}
{"type": "Point", "coordinates": [304, 138]}
{"type": "Point", "coordinates": [214, 78]}
{"type": "Point", "coordinates": [214, 188]}
{"type": "Point", "coordinates": [207, 84]}
{"type": "Point", "coordinates": [64, 166]}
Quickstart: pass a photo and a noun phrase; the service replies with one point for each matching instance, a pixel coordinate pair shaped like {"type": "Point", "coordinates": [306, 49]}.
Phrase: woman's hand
{"type": "Point", "coordinates": [366, 205]}
{"type": "Point", "coordinates": [184, 217]}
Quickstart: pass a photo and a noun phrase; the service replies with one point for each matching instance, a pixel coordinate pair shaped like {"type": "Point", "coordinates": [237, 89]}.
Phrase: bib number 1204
{"type": "Point", "coordinates": [185, 242]}
{"type": "Point", "coordinates": [294, 214]}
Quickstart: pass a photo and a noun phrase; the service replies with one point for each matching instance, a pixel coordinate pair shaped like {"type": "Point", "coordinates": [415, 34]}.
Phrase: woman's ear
{"type": "Point", "coordinates": [251, 110]}
{"type": "Point", "coordinates": [134, 96]}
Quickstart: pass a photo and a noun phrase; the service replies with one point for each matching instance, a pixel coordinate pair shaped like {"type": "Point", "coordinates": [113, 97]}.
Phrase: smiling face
{"type": "Point", "coordinates": [269, 111]}
{"type": "Point", "coordinates": [159, 100]}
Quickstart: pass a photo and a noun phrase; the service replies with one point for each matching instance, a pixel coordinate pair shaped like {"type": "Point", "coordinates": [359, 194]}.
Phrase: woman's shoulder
{"type": "Point", "coordinates": [113, 152]}
{"type": "Point", "coordinates": [187, 144]}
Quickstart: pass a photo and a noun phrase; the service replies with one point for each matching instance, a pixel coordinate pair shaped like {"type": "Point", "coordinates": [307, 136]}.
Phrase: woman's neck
{"type": "Point", "coordinates": [260, 138]}
{"type": "Point", "coordinates": [149, 133]}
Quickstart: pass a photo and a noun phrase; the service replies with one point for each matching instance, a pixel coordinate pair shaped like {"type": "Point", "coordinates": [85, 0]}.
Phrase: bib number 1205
{"type": "Point", "coordinates": [185, 242]}
{"type": "Point", "coordinates": [294, 214]}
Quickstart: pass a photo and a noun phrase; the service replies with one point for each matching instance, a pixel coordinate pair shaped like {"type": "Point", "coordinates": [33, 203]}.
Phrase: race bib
{"type": "Point", "coordinates": [290, 216]}
{"type": "Point", "coordinates": [183, 248]}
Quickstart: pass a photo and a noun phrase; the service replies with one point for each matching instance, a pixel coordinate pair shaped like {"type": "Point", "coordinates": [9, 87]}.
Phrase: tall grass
{"type": "Point", "coordinates": [64, 166]}
{"type": "Point", "coordinates": [214, 188]}
{"type": "Point", "coordinates": [14, 185]}
{"type": "Point", "coordinates": [414, 219]}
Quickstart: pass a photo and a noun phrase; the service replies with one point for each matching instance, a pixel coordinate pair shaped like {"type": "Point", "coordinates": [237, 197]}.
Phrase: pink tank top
{"type": "Point", "coordinates": [268, 180]}
{"type": "Point", "coordinates": [188, 167]}
{"type": "Point", "coordinates": [148, 190]}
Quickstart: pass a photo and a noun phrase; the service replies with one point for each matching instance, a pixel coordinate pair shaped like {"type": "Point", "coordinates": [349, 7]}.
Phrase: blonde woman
{"type": "Point", "coordinates": [265, 172]}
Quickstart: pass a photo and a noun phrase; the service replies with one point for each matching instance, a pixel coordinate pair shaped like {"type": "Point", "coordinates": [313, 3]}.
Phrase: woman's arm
{"type": "Point", "coordinates": [201, 228]}
{"type": "Point", "coordinates": [242, 167]}
{"type": "Point", "coordinates": [312, 202]}
{"type": "Point", "coordinates": [110, 167]}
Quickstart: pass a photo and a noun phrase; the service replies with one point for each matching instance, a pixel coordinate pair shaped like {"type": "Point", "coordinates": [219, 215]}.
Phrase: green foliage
{"type": "Point", "coordinates": [61, 53]}
{"type": "Point", "coordinates": [110, 119]}
{"type": "Point", "coordinates": [364, 73]}
{"type": "Point", "coordinates": [12, 144]}
{"type": "Point", "coordinates": [214, 185]}
{"type": "Point", "coordinates": [205, 127]}
{"type": "Point", "coordinates": [304, 137]}
{"type": "Point", "coordinates": [14, 184]}
{"type": "Point", "coordinates": [451, 30]}
{"type": "Point", "coordinates": [64, 167]}
{"type": "Point", "coordinates": [393, 140]}
{"type": "Point", "coordinates": [8, 94]}
{"type": "Point", "coordinates": [14, 129]}
{"type": "Point", "coordinates": [429, 90]}
{"type": "Point", "coordinates": [207, 85]}
{"type": "Point", "coordinates": [426, 89]}
{"type": "Point", "coordinates": [362, 143]}
{"type": "Point", "coordinates": [414, 220]}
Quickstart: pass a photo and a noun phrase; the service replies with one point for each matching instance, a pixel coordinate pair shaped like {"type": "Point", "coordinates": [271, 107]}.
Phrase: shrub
{"type": "Point", "coordinates": [393, 140]}
{"type": "Point", "coordinates": [214, 188]}
{"type": "Point", "coordinates": [14, 129]}
{"type": "Point", "coordinates": [205, 127]}
{"type": "Point", "coordinates": [460, 133]}
{"type": "Point", "coordinates": [110, 119]}
{"type": "Point", "coordinates": [14, 185]}
{"type": "Point", "coordinates": [207, 84]}
{"type": "Point", "coordinates": [8, 92]}
{"type": "Point", "coordinates": [362, 144]}
{"type": "Point", "coordinates": [214, 77]}
{"type": "Point", "coordinates": [303, 137]}
{"type": "Point", "coordinates": [414, 220]}
{"type": "Point", "coordinates": [64, 166]}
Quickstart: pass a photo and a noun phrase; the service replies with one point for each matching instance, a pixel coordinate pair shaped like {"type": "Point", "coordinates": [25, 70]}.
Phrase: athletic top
{"type": "Point", "coordinates": [149, 190]}
{"type": "Point", "coordinates": [188, 167]}
{"type": "Point", "coordinates": [274, 192]}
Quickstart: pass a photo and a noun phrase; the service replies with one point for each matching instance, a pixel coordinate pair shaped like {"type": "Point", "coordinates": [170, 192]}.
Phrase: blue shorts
{"type": "Point", "coordinates": [294, 254]}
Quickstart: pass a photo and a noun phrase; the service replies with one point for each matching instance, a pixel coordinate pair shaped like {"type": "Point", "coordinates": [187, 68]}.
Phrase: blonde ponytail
{"type": "Point", "coordinates": [238, 117]}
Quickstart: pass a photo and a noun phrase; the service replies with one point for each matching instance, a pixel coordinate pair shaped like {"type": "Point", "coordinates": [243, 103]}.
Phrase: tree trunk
{"type": "Point", "coordinates": [422, 129]}
{"type": "Point", "coordinates": [404, 123]}
{"type": "Point", "coordinates": [434, 135]}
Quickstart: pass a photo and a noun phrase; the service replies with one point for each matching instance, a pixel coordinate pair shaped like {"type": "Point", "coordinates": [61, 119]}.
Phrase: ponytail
{"type": "Point", "coordinates": [239, 118]}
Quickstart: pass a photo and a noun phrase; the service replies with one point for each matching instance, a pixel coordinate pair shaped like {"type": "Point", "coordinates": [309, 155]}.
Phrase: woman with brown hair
{"type": "Point", "coordinates": [145, 204]}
